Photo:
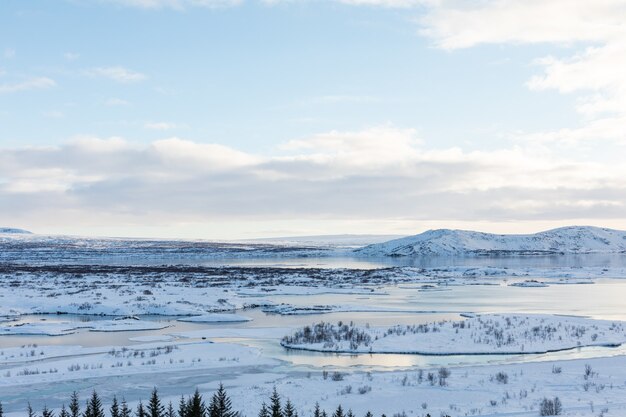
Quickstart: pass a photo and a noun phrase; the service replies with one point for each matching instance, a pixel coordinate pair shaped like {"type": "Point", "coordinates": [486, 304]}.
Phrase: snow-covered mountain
{"type": "Point", "coordinates": [12, 230]}
{"type": "Point", "coordinates": [573, 239]}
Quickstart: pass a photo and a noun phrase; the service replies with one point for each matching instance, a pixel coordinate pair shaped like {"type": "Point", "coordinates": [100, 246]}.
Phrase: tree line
{"type": "Point", "coordinates": [220, 405]}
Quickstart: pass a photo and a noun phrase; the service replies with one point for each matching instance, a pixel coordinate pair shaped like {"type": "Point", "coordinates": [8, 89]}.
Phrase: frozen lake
{"type": "Point", "coordinates": [601, 300]}
{"type": "Point", "coordinates": [592, 286]}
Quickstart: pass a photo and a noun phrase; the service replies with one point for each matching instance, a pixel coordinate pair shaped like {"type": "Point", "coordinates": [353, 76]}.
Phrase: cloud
{"type": "Point", "coordinates": [118, 74]}
{"type": "Point", "coordinates": [594, 30]}
{"type": "Point", "coordinates": [36, 83]}
{"type": "Point", "coordinates": [455, 24]}
{"type": "Point", "coordinates": [382, 173]}
{"type": "Point", "coordinates": [9, 53]}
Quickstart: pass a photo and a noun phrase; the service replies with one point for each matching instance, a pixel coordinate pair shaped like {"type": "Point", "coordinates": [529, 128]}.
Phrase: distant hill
{"type": "Point", "coordinates": [11, 230]}
{"type": "Point", "coordinates": [345, 241]}
{"type": "Point", "coordinates": [573, 239]}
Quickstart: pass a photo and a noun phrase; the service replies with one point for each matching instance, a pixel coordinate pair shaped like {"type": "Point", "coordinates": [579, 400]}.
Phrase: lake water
{"type": "Point", "coordinates": [602, 300]}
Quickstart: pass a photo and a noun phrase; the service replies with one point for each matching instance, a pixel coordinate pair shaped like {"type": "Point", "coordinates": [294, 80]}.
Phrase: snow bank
{"type": "Point", "coordinates": [482, 334]}
{"type": "Point", "coordinates": [79, 363]}
{"type": "Point", "coordinates": [45, 328]}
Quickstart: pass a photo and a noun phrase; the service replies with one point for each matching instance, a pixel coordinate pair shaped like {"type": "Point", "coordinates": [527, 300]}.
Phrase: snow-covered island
{"type": "Point", "coordinates": [444, 242]}
{"type": "Point", "coordinates": [14, 231]}
{"type": "Point", "coordinates": [477, 335]}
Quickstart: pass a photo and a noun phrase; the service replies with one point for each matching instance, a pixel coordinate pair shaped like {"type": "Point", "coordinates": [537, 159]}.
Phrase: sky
{"type": "Point", "coordinates": [230, 119]}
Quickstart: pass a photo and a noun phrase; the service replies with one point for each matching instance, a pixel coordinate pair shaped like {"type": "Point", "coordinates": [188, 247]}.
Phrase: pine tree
{"type": "Point", "coordinates": [195, 406]}
{"type": "Point", "coordinates": [263, 413]}
{"type": "Point", "coordinates": [558, 407]}
{"type": "Point", "coordinates": [94, 406]}
{"type": "Point", "coordinates": [317, 412]}
{"type": "Point", "coordinates": [220, 404]}
{"type": "Point", "coordinates": [141, 412]}
{"type": "Point", "coordinates": [275, 404]}
{"type": "Point", "coordinates": [369, 414]}
{"type": "Point", "coordinates": [170, 410]}
{"type": "Point", "coordinates": [289, 411]}
{"type": "Point", "coordinates": [31, 413]}
{"type": "Point", "coordinates": [1, 412]}
{"type": "Point", "coordinates": [182, 407]}
{"type": "Point", "coordinates": [350, 413]}
{"type": "Point", "coordinates": [115, 408]}
{"type": "Point", "coordinates": [64, 412]}
{"type": "Point", "coordinates": [155, 409]}
{"type": "Point", "coordinates": [74, 405]}
{"type": "Point", "coordinates": [46, 412]}
{"type": "Point", "coordinates": [324, 413]}
{"type": "Point", "coordinates": [338, 412]}
{"type": "Point", "coordinates": [125, 411]}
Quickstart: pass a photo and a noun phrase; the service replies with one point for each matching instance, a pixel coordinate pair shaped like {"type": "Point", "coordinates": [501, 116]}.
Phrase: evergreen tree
{"type": "Point", "coordinates": [46, 412]}
{"type": "Point", "coordinates": [1, 412]}
{"type": "Point", "coordinates": [170, 411]}
{"type": "Point", "coordinates": [220, 404]}
{"type": "Point", "coordinates": [141, 412]}
{"type": "Point", "coordinates": [115, 408]}
{"type": "Point", "coordinates": [338, 412]}
{"type": "Point", "coordinates": [64, 412]}
{"type": "Point", "coordinates": [263, 413]}
{"type": "Point", "coordinates": [182, 407]}
{"type": "Point", "coordinates": [125, 411]}
{"type": "Point", "coordinates": [31, 413]}
{"type": "Point", "coordinates": [94, 406]}
{"type": "Point", "coordinates": [350, 413]}
{"type": "Point", "coordinates": [317, 412]}
{"type": "Point", "coordinates": [155, 409]}
{"type": "Point", "coordinates": [369, 414]}
{"type": "Point", "coordinates": [324, 413]}
{"type": "Point", "coordinates": [289, 411]}
{"type": "Point", "coordinates": [558, 407]}
{"type": "Point", "coordinates": [276, 410]}
{"type": "Point", "coordinates": [195, 406]}
{"type": "Point", "coordinates": [74, 405]}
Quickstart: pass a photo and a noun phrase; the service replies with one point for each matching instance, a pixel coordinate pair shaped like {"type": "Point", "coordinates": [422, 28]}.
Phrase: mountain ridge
{"type": "Point", "coordinates": [563, 240]}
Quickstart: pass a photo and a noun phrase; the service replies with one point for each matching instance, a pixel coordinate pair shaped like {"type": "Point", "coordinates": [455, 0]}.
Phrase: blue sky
{"type": "Point", "coordinates": [294, 90]}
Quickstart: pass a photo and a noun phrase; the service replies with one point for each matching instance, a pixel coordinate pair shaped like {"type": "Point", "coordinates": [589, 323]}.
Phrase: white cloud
{"type": "Point", "coordinates": [381, 173]}
{"type": "Point", "coordinates": [118, 74]}
{"type": "Point", "coordinates": [28, 84]}
{"type": "Point", "coordinates": [455, 24]}
{"type": "Point", "coordinates": [595, 30]}
{"type": "Point", "coordinates": [9, 53]}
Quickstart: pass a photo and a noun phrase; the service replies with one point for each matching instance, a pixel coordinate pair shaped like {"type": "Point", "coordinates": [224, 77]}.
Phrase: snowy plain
{"type": "Point", "coordinates": [226, 307]}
